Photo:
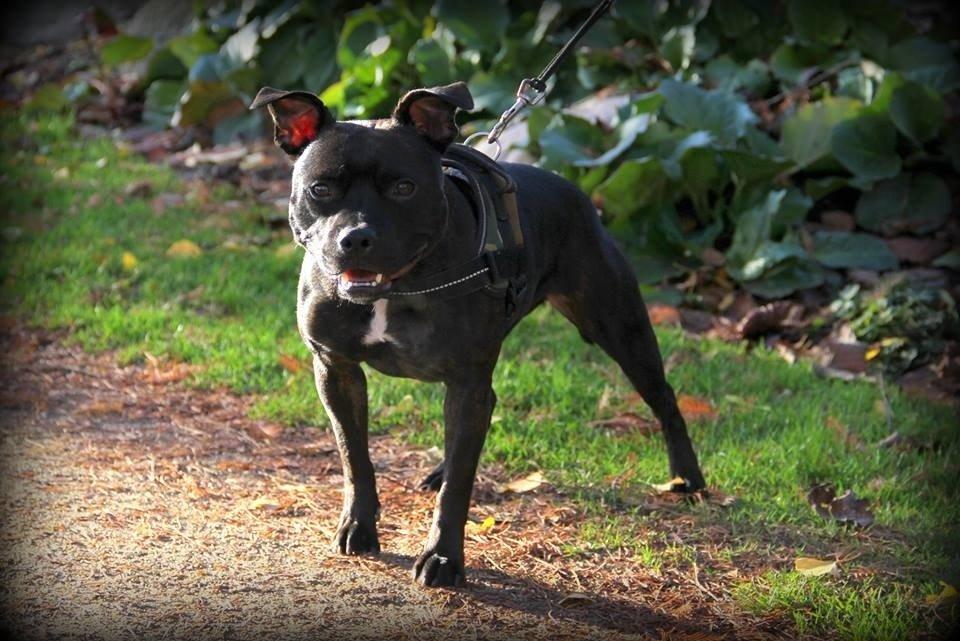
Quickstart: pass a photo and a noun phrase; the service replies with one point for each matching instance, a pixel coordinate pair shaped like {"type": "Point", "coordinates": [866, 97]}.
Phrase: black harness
{"type": "Point", "coordinates": [499, 266]}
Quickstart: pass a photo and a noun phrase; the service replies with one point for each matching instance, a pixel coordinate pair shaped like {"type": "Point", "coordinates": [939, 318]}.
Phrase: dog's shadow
{"type": "Point", "coordinates": [499, 589]}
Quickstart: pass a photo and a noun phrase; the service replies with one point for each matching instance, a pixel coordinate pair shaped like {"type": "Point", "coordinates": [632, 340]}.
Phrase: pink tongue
{"type": "Point", "coordinates": [359, 275]}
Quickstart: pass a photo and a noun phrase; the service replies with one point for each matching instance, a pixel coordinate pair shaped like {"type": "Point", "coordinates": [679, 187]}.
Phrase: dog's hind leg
{"type": "Point", "coordinates": [601, 297]}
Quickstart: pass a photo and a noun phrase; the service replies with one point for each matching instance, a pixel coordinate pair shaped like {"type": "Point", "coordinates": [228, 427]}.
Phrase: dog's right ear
{"type": "Point", "coordinates": [298, 117]}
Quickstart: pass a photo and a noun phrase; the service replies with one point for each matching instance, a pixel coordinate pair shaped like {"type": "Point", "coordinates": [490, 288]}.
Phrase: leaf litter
{"type": "Point", "coordinates": [174, 504]}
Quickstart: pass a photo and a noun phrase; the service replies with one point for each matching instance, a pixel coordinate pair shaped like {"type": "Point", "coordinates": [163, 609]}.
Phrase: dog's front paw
{"type": "Point", "coordinates": [435, 570]}
{"type": "Point", "coordinates": [356, 536]}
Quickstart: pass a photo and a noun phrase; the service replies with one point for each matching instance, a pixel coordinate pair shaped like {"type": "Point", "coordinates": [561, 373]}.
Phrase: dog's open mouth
{"type": "Point", "coordinates": [363, 282]}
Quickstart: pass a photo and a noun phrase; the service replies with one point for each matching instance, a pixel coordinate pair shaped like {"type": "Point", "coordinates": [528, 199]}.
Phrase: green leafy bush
{"type": "Point", "coordinates": [741, 119]}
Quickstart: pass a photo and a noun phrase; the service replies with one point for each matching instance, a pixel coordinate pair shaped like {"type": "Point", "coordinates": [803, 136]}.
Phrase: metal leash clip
{"type": "Point", "coordinates": [532, 90]}
{"type": "Point", "coordinates": [529, 93]}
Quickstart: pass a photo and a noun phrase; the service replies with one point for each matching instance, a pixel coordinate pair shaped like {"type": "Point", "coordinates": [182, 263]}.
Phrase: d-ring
{"type": "Point", "coordinates": [485, 133]}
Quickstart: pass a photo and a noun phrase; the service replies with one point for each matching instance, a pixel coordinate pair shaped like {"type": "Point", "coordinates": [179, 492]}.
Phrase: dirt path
{"type": "Point", "coordinates": [138, 510]}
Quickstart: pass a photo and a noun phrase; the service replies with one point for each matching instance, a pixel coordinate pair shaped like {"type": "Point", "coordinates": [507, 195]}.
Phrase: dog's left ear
{"type": "Point", "coordinates": [433, 111]}
{"type": "Point", "coordinates": [298, 117]}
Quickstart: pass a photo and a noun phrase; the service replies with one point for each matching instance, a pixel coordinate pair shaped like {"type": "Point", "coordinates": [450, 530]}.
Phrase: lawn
{"type": "Point", "coordinates": [84, 253]}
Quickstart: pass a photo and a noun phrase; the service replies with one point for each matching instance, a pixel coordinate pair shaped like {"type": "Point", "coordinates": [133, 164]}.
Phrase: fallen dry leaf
{"type": "Point", "coordinates": [768, 318]}
{"type": "Point", "coordinates": [95, 408]}
{"type": "Point", "coordinates": [523, 484]}
{"type": "Point", "coordinates": [184, 248]}
{"type": "Point", "coordinates": [483, 527]}
{"type": "Point", "coordinates": [694, 408]}
{"type": "Point", "coordinates": [291, 363]}
{"type": "Point", "coordinates": [264, 431]}
{"type": "Point", "coordinates": [661, 314]}
{"type": "Point", "coordinates": [628, 423]}
{"type": "Point", "coordinates": [809, 566]}
{"type": "Point", "coordinates": [128, 261]}
{"type": "Point", "coordinates": [946, 595]}
{"type": "Point", "coordinates": [675, 484]}
{"type": "Point", "coordinates": [575, 599]}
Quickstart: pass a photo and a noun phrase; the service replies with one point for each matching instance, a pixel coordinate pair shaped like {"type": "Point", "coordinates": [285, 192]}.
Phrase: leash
{"type": "Point", "coordinates": [532, 90]}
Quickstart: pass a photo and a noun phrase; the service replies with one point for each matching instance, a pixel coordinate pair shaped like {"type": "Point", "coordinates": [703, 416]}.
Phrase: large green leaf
{"type": "Point", "coordinates": [867, 146]}
{"type": "Point", "coordinates": [818, 21]}
{"type": "Point", "coordinates": [928, 62]}
{"type": "Point", "coordinates": [917, 111]}
{"type": "Point", "coordinates": [677, 46]}
{"type": "Point", "coordinates": [281, 61]}
{"type": "Point", "coordinates": [753, 228]}
{"type": "Point", "coordinates": [750, 167]}
{"type": "Point", "coordinates": [568, 139]}
{"type": "Point", "coordinates": [478, 25]}
{"type": "Point", "coordinates": [734, 16]}
{"type": "Point", "coordinates": [318, 48]}
{"type": "Point", "coordinates": [189, 47]}
{"type": "Point", "coordinates": [627, 133]}
{"type": "Point", "coordinates": [161, 101]}
{"type": "Point", "coordinates": [806, 132]}
{"type": "Point", "coordinates": [634, 185]}
{"type": "Point", "coordinates": [242, 47]}
{"type": "Point", "coordinates": [790, 272]}
{"type": "Point", "coordinates": [124, 48]}
{"type": "Point", "coordinates": [432, 61]}
{"type": "Point", "coordinates": [917, 203]}
{"type": "Point", "coordinates": [722, 114]}
{"type": "Point", "coordinates": [840, 249]}
{"type": "Point", "coordinates": [164, 65]}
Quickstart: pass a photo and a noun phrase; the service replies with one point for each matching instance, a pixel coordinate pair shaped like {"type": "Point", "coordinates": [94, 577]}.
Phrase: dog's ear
{"type": "Point", "coordinates": [298, 117]}
{"type": "Point", "coordinates": [432, 111]}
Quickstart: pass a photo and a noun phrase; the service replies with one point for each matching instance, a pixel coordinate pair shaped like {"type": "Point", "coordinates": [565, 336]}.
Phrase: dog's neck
{"type": "Point", "coordinates": [458, 242]}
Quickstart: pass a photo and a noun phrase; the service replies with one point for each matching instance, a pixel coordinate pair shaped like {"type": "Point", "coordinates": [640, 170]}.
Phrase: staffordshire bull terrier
{"type": "Point", "coordinates": [405, 271]}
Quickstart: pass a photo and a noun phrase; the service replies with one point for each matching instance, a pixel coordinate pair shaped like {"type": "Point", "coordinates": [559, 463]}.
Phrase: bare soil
{"type": "Point", "coordinates": [133, 508]}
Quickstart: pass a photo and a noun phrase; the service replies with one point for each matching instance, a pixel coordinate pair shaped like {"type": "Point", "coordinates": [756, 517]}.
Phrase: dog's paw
{"type": "Point", "coordinates": [434, 570]}
{"type": "Point", "coordinates": [356, 536]}
{"type": "Point", "coordinates": [433, 480]}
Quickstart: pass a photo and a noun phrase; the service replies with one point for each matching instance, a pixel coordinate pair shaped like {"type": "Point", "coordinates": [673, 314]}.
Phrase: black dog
{"type": "Point", "coordinates": [394, 276]}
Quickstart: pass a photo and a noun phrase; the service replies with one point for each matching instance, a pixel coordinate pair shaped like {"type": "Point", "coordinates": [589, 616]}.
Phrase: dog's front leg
{"type": "Point", "coordinates": [343, 390]}
{"type": "Point", "coordinates": [466, 413]}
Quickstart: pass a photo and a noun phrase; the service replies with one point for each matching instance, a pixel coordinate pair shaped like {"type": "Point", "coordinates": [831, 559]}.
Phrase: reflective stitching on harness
{"type": "Point", "coordinates": [439, 287]}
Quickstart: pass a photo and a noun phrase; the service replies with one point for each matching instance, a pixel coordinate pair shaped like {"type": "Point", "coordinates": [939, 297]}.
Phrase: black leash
{"type": "Point", "coordinates": [532, 90]}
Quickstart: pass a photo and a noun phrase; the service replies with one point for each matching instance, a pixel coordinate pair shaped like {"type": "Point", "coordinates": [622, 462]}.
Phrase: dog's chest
{"type": "Point", "coordinates": [379, 321]}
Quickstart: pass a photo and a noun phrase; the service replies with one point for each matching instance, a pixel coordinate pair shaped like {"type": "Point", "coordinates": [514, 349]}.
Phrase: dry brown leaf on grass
{"type": "Point", "coordinates": [128, 261]}
{"type": "Point", "coordinates": [163, 372]}
{"type": "Point", "coordinates": [575, 600]}
{"type": "Point", "coordinates": [262, 431]}
{"type": "Point", "coordinates": [98, 407]}
{"type": "Point", "coordinates": [628, 422]}
{"type": "Point", "coordinates": [661, 314]}
{"type": "Point", "coordinates": [523, 484]}
{"type": "Point", "coordinates": [947, 595]}
{"type": "Point", "coordinates": [184, 248]}
{"type": "Point", "coordinates": [483, 527]}
{"type": "Point", "coordinates": [809, 566]}
{"type": "Point", "coordinates": [291, 363]}
{"type": "Point", "coordinates": [694, 408]}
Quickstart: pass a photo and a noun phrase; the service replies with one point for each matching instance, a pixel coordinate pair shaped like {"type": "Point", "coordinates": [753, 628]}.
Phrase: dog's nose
{"type": "Point", "coordinates": [357, 240]}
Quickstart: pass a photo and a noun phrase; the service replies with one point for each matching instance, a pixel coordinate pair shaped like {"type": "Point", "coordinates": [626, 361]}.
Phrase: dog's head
{"type": "Point", "coordinates": [367, 197]}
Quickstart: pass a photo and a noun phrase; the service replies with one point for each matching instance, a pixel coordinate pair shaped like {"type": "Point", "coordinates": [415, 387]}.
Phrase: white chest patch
{"type": "Point", "coordinates": [377, 332]}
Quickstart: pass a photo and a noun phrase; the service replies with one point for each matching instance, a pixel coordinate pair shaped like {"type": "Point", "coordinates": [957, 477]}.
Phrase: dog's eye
{"type": "Point", "coordinates": [320, 191]}
{"type": "Point", "coordinates": [403, 188]}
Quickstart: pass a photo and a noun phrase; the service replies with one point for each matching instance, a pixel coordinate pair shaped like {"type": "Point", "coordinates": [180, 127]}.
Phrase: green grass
{"type": "Point", "coordinates": [230, 311]}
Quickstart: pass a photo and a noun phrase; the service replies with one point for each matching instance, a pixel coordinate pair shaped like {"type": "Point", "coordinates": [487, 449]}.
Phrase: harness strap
{"type": "Point", "coordinates": [499, 265]}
